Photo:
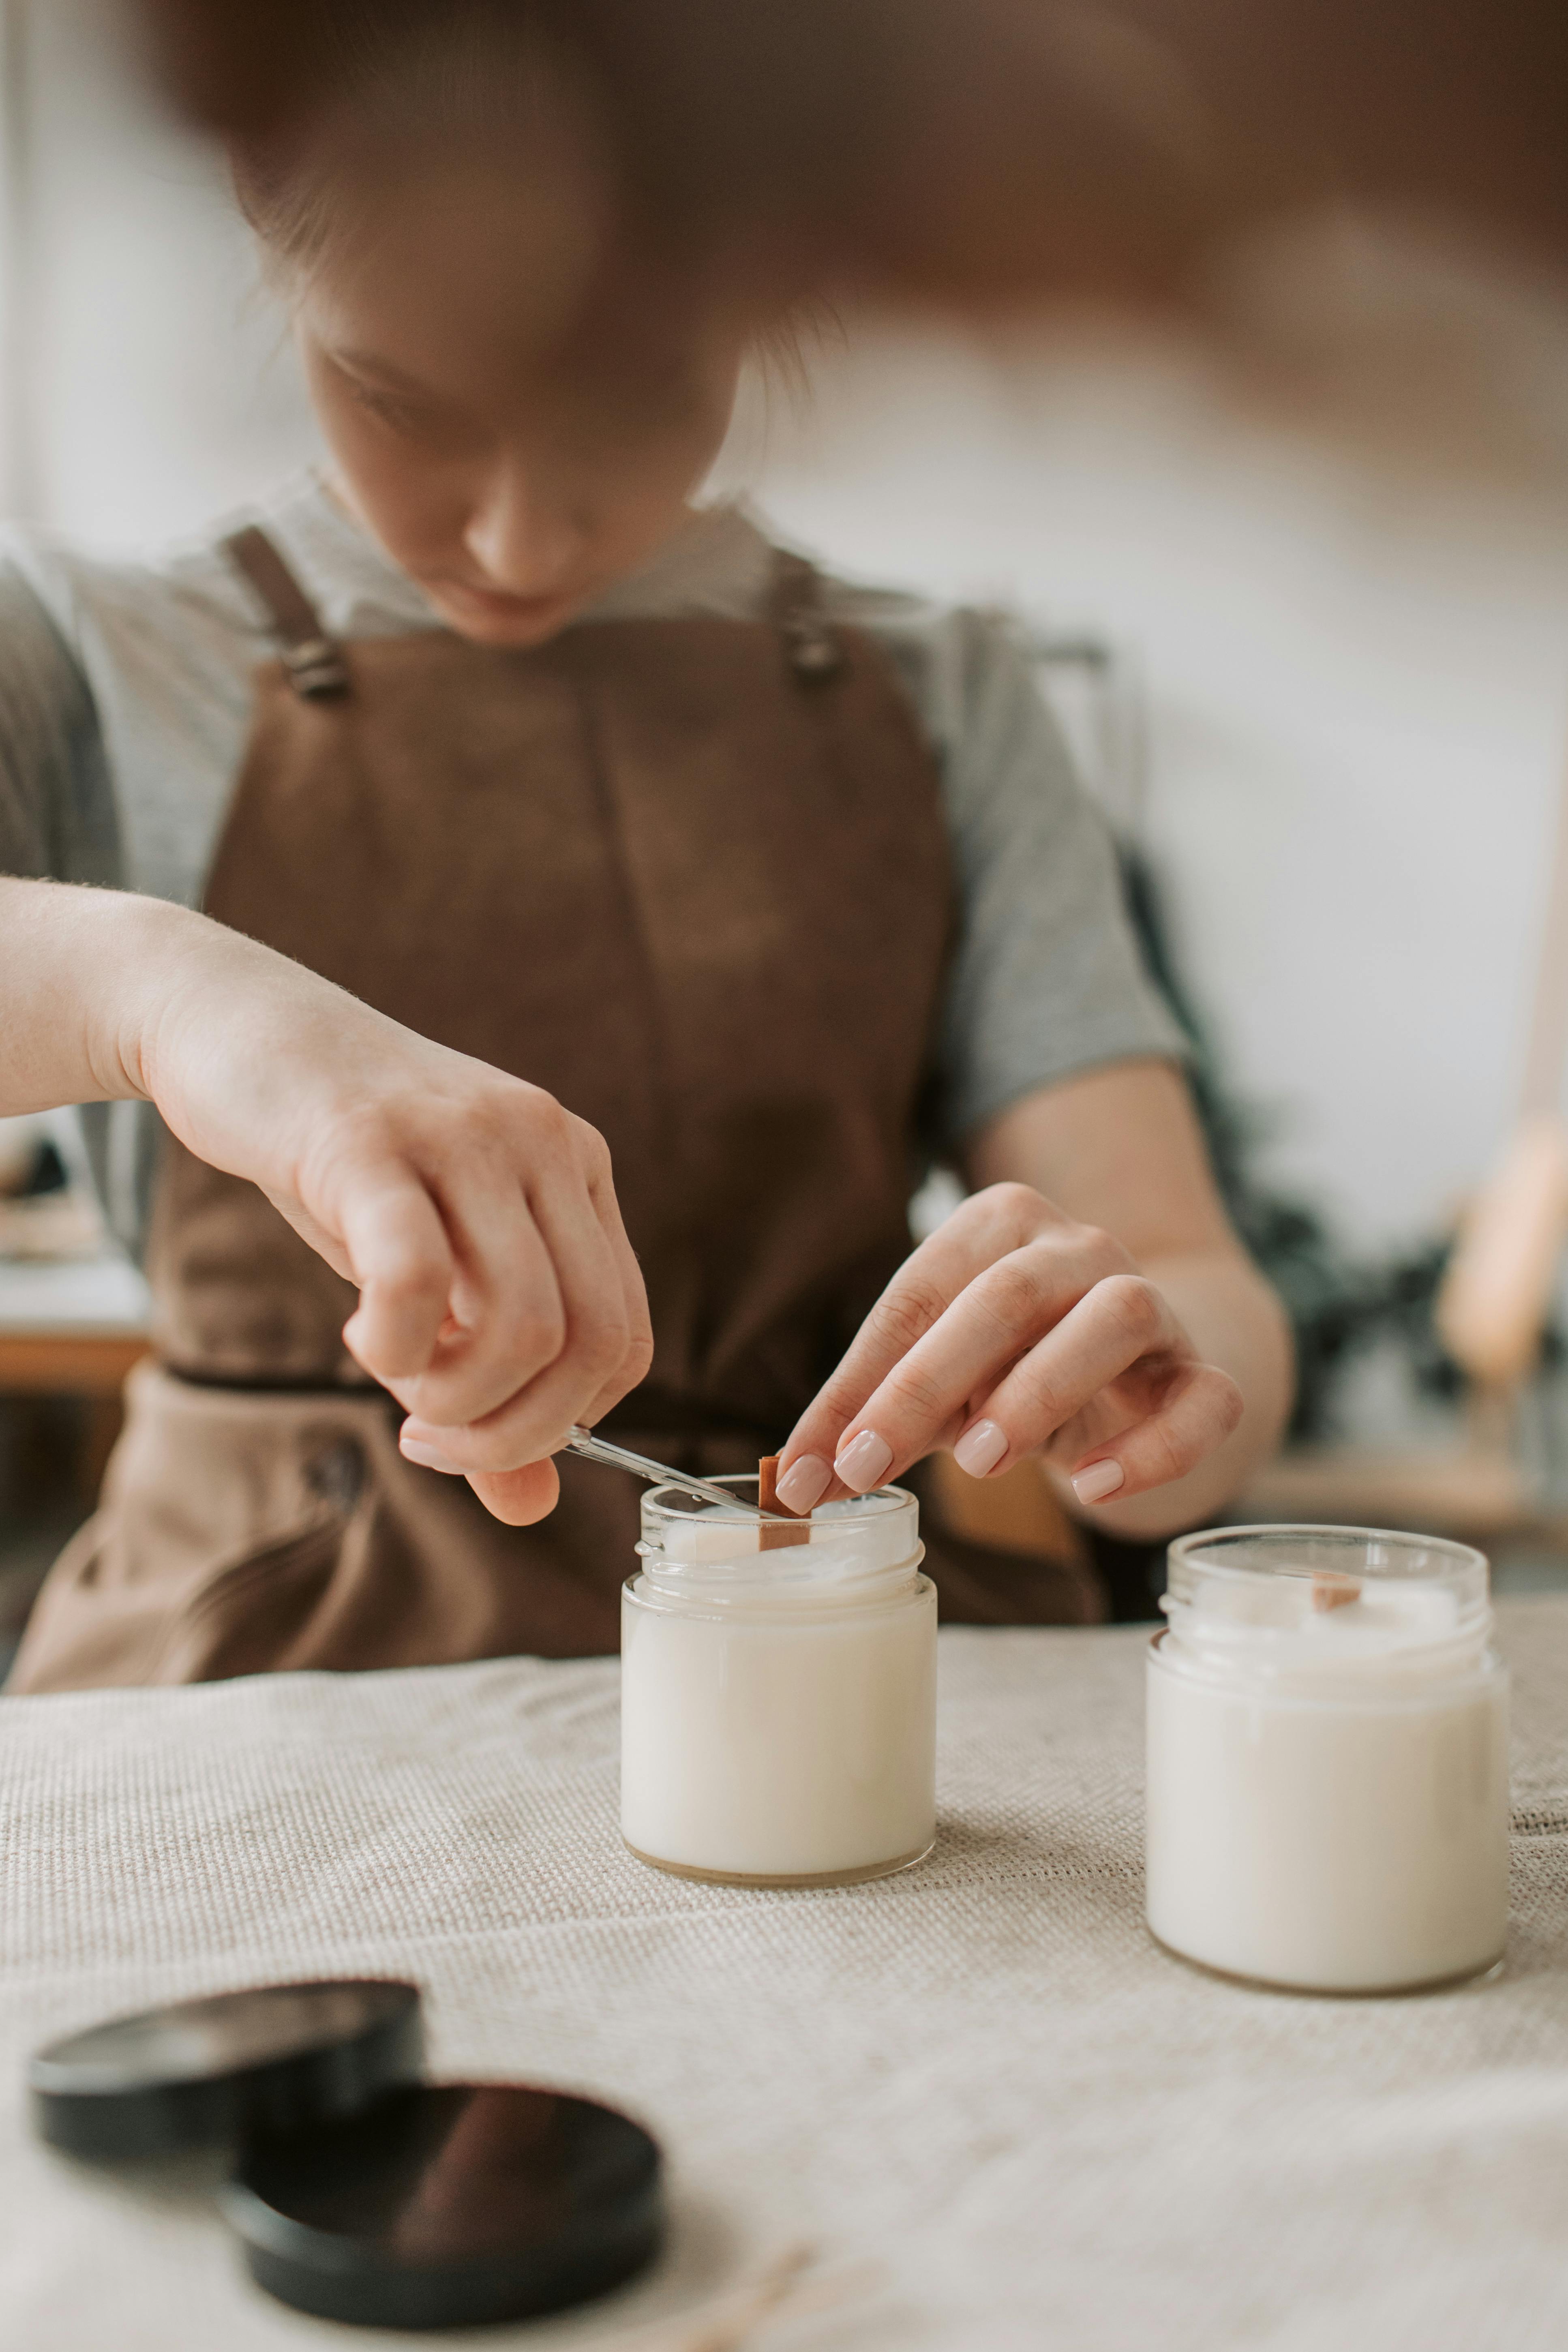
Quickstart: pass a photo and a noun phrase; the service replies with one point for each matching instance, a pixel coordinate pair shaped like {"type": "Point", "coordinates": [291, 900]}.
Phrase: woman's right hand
{"type": "Point", "coordinates": [500, 1299]}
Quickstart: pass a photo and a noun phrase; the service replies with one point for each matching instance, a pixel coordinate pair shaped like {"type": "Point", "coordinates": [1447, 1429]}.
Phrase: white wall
{"type": "Point", "coordinates": [1358, 669]}
{"type": "Point", "coordinates": [1358, 701]}
{"type": "Point", "coordinates": [153, 384]}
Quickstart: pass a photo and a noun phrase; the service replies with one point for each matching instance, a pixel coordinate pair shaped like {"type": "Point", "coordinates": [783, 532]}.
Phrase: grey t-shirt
{"type": "Point", "coordinates": [125, 705]}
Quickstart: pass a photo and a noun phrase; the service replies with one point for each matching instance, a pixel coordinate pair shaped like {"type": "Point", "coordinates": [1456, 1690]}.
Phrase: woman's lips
{"type": "Point", "coordinates": [525, 613]}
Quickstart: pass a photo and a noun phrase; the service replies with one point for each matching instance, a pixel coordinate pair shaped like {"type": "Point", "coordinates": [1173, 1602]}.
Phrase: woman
{"type": "Point", "coordinates": [603, 914]}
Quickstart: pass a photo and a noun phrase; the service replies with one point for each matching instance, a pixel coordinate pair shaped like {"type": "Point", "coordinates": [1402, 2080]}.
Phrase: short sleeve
{"type": "Point", "coordinates": [1049, 977]}
{"type": "Point", "coordinates": [56, 813]}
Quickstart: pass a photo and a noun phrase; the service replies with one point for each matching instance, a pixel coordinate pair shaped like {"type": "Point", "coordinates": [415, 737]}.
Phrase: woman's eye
{"type": "Point", "coordinates": [403, 415]}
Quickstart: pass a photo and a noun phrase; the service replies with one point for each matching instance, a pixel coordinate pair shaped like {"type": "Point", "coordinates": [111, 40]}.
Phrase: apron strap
{"type": "Point", "coordinates": [799, 608]}
{"type": "Point", "coordinates": [314, 660]}
{"type": "Point", "coordinates": [317, 669]}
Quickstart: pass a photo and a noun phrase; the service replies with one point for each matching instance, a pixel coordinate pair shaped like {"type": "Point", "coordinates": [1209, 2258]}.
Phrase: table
{"type": "Point", "coordinates": [68, 1328]}
{"type": "Point", "coordinates": [72, 1327]}
{"type": "Point", "coordinates": [981, 2073]}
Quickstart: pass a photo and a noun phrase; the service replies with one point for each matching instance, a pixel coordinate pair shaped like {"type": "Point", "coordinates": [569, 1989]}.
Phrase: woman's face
{"type": "Point", "coordinates": [516, 437]}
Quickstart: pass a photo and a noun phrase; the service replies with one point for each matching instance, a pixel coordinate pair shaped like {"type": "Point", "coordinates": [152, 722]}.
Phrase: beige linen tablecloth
{"type": "Point", "coordinates": [981, 2073]}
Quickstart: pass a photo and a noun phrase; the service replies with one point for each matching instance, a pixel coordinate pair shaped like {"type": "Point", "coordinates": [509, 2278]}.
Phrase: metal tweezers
{"type": "Point", "coordinates": [659, 1473]}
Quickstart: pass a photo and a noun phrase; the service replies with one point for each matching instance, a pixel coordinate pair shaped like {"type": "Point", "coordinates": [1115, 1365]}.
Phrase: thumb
{"type": "Point", "coordinates": [519, 1498]}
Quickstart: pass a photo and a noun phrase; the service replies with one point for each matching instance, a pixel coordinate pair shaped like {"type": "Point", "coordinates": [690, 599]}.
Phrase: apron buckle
{"type": "Point", "coordinates": [316, 669]}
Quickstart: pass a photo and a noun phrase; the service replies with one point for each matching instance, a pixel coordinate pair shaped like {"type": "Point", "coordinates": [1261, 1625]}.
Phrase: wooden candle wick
{"type": "Point", "coordinates": [779, 1530]}
{"type": "Point", "coordinates": [1331, 1591]}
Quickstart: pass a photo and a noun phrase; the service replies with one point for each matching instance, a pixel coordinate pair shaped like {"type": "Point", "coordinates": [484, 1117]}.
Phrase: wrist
{"type": "Point", "coordinates": [159, 954]}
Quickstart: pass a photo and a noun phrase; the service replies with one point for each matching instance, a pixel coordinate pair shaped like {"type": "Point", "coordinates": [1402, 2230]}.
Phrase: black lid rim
{"type": "Point", "coordinates": [261, 2225]}
{"type": "Point", "coordinates": [49, 2074]}
{"type": "Point", "coordinates": [576, 2268]}
{"type": "Point", "coordinates": [325, 2079]}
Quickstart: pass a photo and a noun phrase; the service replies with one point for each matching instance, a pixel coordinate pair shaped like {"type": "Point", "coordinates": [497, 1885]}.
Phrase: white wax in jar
{"type": "Point", "coordinates": [1328, 1783]}
{"type": "Point", "coordinates": [778, 1707]}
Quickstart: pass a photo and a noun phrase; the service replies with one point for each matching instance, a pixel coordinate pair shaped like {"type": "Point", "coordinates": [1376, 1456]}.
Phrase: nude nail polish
{"type": "Point", "coordinates": [864, 1462]}
{"type": "Point", "coordinates": [805, 1483]}
{"type": "Point", "coordinates": [981, 1448]}
{"type": "Point", "coordinates": [1101, 1479]}
{"type": "Point", "coordinates": [413, 1449]}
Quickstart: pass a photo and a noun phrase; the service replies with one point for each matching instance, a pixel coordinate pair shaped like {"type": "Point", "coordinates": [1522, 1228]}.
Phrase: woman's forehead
{"type": "Point", "coordinates": [478, 338]}
{"type": "Point", "coordinates": [487, 261]}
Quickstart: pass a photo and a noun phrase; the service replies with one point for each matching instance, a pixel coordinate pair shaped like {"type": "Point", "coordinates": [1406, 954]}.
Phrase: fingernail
{"type": "Point", "coordinates": [864, 1463]}
{"type": "Point", "coordinates": [1101, 1479]}
{"type": "Point", "coordinates": [428, 1457]}
{"type": "Point", "coordinates": [805, 1483]}
{"type": "Point", "coordinates": [981, 1448]}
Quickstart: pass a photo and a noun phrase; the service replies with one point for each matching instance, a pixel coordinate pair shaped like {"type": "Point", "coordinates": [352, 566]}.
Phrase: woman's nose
{"type": "Point", "coordinates": [527, 539]}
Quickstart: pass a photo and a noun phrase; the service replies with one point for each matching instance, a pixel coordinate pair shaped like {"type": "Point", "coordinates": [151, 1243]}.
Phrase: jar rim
{"type": "Point", "coordinates": [1271, 1599]}
{"type": "Point", "coordinates": [676, 1504]}
{"type": "Point", "coordinates": [1378, 1555]}
{"type": "Point", "coordinates": [842, 1553]}
{"type": "Point", "coordinates": [753, 1605]}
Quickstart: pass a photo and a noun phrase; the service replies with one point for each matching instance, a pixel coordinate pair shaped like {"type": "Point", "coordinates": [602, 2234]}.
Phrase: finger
{"type": "Point", "coordinates": [1122, 1321]}
{"type": "Point", "coordinates": [638, 1353]}
{"type": "Point", "coordinates": [600, 1355]}
{"type": "Point", "coordinates": [508, 1322]}
{"type": "Point", "coordinates": [520, 1497]}
{"type": "Point", "coordinates": [532, 1422]}
{"type": "Point", "coordinates": [985, 1228]}
{"type": "Point", "coordinates": [1200, 1410]}
{"type": "Point", "coordinates": [398, 1253]}
{"type": "Point", "coordinates": [928, 1396]}
{"type": "Point", "coordinates": [507, 1318]}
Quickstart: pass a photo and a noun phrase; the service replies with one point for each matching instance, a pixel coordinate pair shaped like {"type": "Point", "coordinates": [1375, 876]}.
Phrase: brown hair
{"type": "Point", "coordinates": [482, 84]}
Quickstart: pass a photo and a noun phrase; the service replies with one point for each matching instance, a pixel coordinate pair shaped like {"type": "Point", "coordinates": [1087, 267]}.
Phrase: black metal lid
{"type": "Point", "coordinates": [271, 2057]}
{"type": "Point", "coordinates": [449, 2207]}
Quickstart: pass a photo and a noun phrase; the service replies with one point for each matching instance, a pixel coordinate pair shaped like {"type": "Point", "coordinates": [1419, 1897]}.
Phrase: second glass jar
{"type": "Point", "coordinates": [1328, 1760]}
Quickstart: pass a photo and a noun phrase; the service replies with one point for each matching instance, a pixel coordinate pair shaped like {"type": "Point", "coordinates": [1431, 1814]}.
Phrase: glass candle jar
{"type": "Point", "coordinates": [778, 1704]}
{"type": "Point", "coordinates": [1328, 1760]}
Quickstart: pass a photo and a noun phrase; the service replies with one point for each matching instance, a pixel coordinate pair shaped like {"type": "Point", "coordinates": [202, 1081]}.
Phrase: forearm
{"type": "Point", "coordinates": [1235, 1320]}
{"type": "Point", "coordinates": [84, 975]}
{"type": "Point", "coordinates": [107, 995]}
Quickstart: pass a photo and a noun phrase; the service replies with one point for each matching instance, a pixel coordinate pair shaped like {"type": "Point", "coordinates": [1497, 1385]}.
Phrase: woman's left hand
{"type": "Point", "coordinates": [1013, 1331]}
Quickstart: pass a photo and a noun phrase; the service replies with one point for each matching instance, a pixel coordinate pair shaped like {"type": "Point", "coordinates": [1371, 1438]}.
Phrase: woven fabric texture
{"type": "Point", "coordinates": [980, 2074]}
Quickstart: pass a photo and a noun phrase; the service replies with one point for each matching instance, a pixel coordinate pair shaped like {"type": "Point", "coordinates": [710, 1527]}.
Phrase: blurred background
{"type": "Point", "coordinates": [1300, 589]}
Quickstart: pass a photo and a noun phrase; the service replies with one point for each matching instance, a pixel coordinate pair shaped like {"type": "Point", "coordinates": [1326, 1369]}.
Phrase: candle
{"type": "Point", "coordinates": [1328, 1760]}
{"type": "Point", "coordinates": [778, 1704]}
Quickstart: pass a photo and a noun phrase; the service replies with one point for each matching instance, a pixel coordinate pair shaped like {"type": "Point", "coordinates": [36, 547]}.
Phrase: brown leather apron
{"type": "Point", "coordinates": [690, 876]}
